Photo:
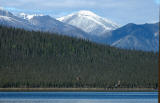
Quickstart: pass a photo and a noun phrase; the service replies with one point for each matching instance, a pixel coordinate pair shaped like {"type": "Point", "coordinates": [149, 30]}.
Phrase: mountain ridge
{"type": "Point", "coordinates": [131, 36]}
{"type": "Point", "coordinates": [143, 35]}
{"type": "Point", "coordinates": [46, 24]}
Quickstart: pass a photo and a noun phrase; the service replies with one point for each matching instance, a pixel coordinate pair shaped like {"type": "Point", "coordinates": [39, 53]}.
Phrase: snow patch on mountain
{"type": "Point", "coordinates": [28, 16]}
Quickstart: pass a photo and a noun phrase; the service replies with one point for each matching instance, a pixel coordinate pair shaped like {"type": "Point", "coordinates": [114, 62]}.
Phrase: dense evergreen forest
{"type": "Point", "coordinates": [36, 59]}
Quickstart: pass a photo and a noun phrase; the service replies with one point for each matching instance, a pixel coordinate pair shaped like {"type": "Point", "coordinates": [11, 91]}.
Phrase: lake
{"type": "Point", "coordinates": [78, 97]}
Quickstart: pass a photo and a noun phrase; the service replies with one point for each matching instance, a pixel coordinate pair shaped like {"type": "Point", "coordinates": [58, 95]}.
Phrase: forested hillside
{"type": "Point", "coordinates": [36, 59]}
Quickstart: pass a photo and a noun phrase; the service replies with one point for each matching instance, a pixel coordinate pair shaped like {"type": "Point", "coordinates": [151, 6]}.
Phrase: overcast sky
{"type": "Point", "coordinates": [119, 11]}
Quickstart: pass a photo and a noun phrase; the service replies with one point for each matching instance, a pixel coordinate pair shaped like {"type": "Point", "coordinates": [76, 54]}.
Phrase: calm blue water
{"type": "Point", "coordinates": [78, 97]}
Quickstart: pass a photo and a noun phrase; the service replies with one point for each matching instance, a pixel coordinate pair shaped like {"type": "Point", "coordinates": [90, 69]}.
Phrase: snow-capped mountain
{"type": "Point", "coordinates": [49, 24]}
{"type": "Point", "coordinates": [8, 19]}
{"type": "Point", "coordinates": [40, 23]}
{"type": "Point", "coordinates": [89, 22]}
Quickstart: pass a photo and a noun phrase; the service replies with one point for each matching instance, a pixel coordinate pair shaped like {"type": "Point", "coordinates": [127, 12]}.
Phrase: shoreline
{"type": "Point", "coordinates": [78, 90]}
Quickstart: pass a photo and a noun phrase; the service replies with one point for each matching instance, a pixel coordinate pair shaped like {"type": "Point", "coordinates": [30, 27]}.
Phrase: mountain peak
{"type": "Point", "coordinates": [89, 22]}
{"type": "Point", "coordinates": [86, 13]}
